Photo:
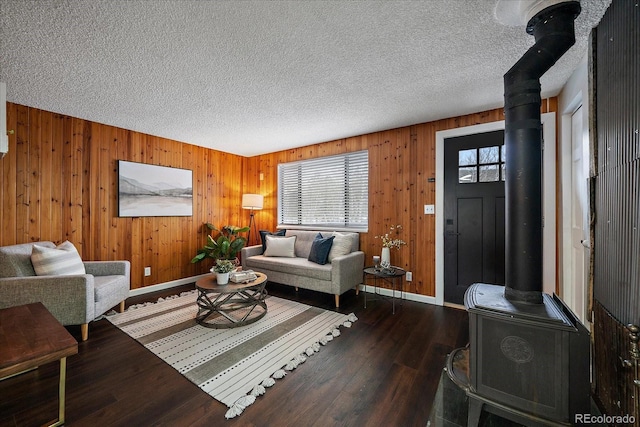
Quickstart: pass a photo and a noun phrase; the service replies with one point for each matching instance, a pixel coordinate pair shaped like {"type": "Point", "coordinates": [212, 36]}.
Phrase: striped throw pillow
{"type": "Point", "coordinates": [61, 260]}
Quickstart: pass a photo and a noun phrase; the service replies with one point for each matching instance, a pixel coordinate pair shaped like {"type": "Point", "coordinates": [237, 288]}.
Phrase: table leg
{"type": "Point", "coordinates": [364, 282]}
{"type": "Point", "coordinates": [61, 393]}
{"type": "Point", "coordinates": [393, 295]}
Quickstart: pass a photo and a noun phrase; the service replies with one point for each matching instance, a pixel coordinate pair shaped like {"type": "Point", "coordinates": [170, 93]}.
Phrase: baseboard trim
{"type": "Point", "coordinates": [165, 285]}
{"type": "Point", "coordinates": [365, 288]}
{"type": "Point", "coordinates": [405, 295]}
{"type": "Point", "coordinates": [452, 305]}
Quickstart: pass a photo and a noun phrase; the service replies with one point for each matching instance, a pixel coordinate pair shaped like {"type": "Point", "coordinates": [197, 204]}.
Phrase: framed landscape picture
{"type": "Point", "coordinates": [150, 190]}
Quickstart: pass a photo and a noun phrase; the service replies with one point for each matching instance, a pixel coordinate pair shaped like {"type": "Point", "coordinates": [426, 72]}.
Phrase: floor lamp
{"type": "Point", "coordinates": [255, 203]}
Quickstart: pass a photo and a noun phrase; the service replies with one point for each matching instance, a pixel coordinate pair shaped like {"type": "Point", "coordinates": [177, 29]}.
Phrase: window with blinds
{"type": "Point", "coordinates": [328, 192]}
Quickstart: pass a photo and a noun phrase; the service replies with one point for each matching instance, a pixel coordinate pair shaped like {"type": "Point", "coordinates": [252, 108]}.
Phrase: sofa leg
{"type": "Point", "coordinates": [121, 308]}
{"type": "Point", "coordinates": [337, 301]}
{"type": "Point", "coordinates": [84, 331]}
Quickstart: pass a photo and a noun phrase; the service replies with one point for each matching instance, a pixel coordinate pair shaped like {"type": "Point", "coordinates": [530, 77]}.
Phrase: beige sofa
{"type": "Point", "coordinates": [336, 277]}
{"type": "Point", "coordinates": [72, 299]}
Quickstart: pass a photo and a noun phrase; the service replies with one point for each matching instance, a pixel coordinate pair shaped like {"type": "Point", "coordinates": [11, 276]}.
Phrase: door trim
{"type": "Point", "coordinates": [570, 293]}
{"type": "Point", "coordinates": [548, 190]}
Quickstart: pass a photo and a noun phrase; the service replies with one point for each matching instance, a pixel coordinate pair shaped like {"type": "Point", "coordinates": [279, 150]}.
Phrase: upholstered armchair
{"type": "Point", "coordinates": [73, 299]}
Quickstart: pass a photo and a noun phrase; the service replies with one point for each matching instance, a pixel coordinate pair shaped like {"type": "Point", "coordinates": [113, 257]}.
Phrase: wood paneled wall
{"type": "Point", "coordinates": [59, 182]}
{"type": "Point", "coordinates": [400, 163]}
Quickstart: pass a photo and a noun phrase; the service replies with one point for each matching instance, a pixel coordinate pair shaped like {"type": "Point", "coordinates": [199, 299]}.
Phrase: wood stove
{"type": "Point", "coordinates": [528, 363]}
{"type": "Point", "coordinates": [528, 354]}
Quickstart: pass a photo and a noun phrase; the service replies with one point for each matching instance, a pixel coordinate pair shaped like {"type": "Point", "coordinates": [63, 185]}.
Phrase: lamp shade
{"type": "Point", "coordinates": [252, 201]}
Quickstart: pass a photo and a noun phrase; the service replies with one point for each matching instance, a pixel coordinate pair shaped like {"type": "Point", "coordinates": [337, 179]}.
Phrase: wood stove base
{"type": "Point", "coordinates": [458, 371]}
{"type": "Point", "coordinates": [477, 404]}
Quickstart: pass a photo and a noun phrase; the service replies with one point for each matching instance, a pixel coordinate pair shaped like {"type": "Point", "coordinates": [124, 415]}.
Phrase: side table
{"type": "Point", "coordinates": [393, 276]}
{"type": "Point", "coordinates": [31, 337]}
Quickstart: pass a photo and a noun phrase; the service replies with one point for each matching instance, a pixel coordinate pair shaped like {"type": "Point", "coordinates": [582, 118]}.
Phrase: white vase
{"type": "Point", "coordinates": [222, 278]}
{"type": "Point", "coordinates": [385, 258]}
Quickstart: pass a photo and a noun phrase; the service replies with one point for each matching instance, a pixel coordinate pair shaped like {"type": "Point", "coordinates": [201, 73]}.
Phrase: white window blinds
{"type": "Point", "coordinates": [328, 192]}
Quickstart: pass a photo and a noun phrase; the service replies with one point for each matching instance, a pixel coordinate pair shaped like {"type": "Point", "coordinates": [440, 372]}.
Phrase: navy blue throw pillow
{"type": "Point", "coordinates": [269, 233]}
{"type": "Point", "coordinates": [320, 249]}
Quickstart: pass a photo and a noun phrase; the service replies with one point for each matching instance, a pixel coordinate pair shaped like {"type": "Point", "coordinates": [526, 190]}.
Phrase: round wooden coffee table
{"type": "Point", "coordinates": [231, 305]}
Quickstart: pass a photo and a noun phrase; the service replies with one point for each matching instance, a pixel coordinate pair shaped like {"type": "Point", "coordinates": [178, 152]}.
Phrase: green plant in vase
{"type": "Point", "coordinates": [224, 266]}
{"type": "Point", "coordinates": [226, 244]}
{"type": "Point", "coordinates": [222, 269]}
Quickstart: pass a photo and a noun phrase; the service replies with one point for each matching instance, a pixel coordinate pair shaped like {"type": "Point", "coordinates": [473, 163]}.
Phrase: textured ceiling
{"type": "Point", "coordinates": [251, 77]}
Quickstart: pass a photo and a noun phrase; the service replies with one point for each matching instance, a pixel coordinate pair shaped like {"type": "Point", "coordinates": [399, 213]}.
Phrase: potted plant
{"type": "Point", "coordinates": [222, 269]}
{"type": "Point", "coordinates": [225, 245]}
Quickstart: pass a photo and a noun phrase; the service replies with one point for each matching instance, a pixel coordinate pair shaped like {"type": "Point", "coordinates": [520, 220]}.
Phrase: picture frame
{"type": "Point", "coordinates": [146, 190]}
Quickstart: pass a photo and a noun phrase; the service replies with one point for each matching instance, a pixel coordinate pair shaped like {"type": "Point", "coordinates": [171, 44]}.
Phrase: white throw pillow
{"type": "Point", "coordinates": [341, 246]}
{"type": "Point", "coordinates": [59, 261]}
{"type": "Point", "coordinates": [280, 246]}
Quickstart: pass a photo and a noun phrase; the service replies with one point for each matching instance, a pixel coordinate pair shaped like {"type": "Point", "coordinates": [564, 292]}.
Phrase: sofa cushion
{"type": "Point", "coordinates": [61, 260]}
{"type": "Point", "coordinates": [15, 260]}
{"type": "Point", "coordinates": [264, 233]}
{"type": "Point", "coordinates": [295, 266]}
{"type": "Point", "coordinates": [320, 249]}
{"type": "Point", "coordinates": [341, 246]}
{"type": "Point", "coordinates": [280, 246]}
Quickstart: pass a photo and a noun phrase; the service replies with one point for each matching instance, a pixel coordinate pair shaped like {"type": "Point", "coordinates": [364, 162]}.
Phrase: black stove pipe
{"type": "Point", "coordinates": [553, 29]}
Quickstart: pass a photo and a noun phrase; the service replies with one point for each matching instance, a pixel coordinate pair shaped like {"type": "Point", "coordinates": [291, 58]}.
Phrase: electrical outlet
{"type": "Point", "coordinates": [429, 209]}
{"type": "Point", "coordinates": [409, 276]}
{"type": "Point", "coordinates": [147, 271]}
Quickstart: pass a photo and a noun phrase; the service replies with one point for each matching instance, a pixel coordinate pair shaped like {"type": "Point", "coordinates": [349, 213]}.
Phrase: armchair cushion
{"type": "Point", "coordinates": [64, 259]}
{"type": "Point", "coordinates": [108, 289]}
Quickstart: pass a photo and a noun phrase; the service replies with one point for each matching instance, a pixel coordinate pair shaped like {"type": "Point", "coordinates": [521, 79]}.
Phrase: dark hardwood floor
{"type": "Point", "coordinates": [383, 371]}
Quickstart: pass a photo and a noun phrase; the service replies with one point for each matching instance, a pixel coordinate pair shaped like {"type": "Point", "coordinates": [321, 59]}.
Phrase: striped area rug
{"type": "Point", "coordinates": [234, 365]}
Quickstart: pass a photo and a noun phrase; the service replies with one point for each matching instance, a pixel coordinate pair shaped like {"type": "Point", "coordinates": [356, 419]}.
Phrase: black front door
{"type": "Point", "coordinates": [474, 216]}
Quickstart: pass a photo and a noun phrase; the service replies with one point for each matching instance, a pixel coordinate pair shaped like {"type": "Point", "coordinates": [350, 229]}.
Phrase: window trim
{"type": "Point", "coordinates": [313, 162]}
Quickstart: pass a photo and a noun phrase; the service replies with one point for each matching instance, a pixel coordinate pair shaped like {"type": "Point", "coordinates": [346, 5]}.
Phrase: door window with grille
{"type": "Point", "coordinates": [485, 164]}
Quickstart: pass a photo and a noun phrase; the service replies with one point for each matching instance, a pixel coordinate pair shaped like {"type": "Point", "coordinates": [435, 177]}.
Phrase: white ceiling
{"type": "Point", "coordinates": [252, 77]}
